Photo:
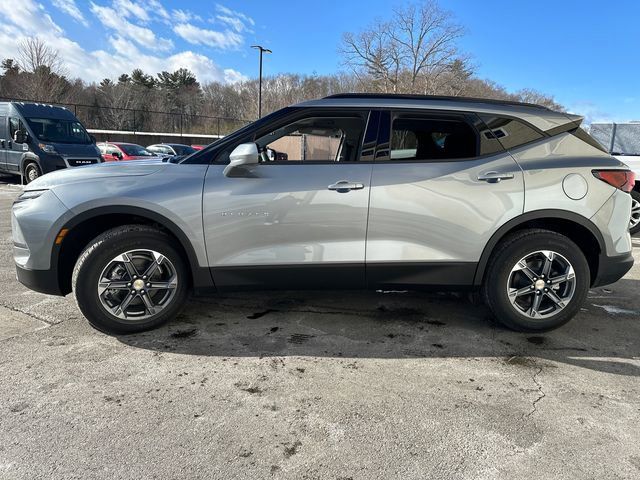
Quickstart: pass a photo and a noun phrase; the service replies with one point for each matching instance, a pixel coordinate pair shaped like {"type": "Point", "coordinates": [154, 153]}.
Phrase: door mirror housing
{"type": "Point", "coordinates": [20, 136]}
{"type": "Point", "coordinates": [245, 154]}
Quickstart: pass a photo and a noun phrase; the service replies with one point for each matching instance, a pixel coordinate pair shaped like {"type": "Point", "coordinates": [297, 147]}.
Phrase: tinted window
{"type": "Point", "coordinates": [136, 150]}
{"type": "Point", "coordinates": [425, 138]}
{"type": "Point", "coordinates": [183, 149]}
{"type": "Point", "coordinates": [511, 133]}
{"type": "Point", "coordinates": [15, 124]}
{"type": "Point", "coordinates": [314, 139]}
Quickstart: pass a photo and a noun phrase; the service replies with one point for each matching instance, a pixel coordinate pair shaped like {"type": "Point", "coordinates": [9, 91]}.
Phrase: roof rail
{"type": "Point", "coordinates": [408, 96]}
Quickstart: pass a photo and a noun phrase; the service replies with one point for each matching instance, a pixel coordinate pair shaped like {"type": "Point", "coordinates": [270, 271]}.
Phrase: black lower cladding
{"type": "Point", "coordinates": [612, 269]}
{"type": "Point", "coordinates": [445, 275]}
{"type": "Point", "coordinates": [43, 281]}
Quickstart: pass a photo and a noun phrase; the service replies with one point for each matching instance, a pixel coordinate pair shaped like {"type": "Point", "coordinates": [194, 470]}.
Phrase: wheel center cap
{"type": "Point", "coordinates": [138, 284]}
{"type": "Point", "coordinates": [539, 284]}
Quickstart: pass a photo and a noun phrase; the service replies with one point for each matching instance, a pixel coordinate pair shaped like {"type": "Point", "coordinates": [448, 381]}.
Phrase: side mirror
{"type": "Point", "coordinates": [20, 136]}
{"type": "Point", "coordinates": [117, 155]}
{"type": "Point", "coordinates": [243, 155]}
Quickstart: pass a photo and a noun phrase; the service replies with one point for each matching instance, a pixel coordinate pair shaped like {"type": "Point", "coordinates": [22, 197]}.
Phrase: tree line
{"type": "Point", "coordinates": [416, 52]}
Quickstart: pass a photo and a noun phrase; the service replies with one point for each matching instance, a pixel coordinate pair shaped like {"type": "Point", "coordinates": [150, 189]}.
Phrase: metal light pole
{"type": "Point", "coordinates": [262, 50]}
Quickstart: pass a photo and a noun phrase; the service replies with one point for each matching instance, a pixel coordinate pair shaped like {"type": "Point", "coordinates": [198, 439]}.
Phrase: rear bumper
{"type": "Point", "coordinates": [612, 269]}
{"type": "Point", "coordinates": [43, 281]}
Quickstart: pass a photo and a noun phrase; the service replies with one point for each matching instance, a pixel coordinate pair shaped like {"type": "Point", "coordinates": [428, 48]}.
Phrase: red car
{"type": "Point", "coordinates": [198, 147]}
{"type": "Point", "coordinates": [116, 152]}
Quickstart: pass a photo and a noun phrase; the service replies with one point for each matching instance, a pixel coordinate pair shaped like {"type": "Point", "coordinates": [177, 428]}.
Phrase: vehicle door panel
{"type": "Point", "coordinates": [15, 151]}
{"type": "Point", "coordinates": [280, 226]}
{"type": "Point", "coordinates": [429, 221]}
{"type": "Point", "coordinates": [4, 142]}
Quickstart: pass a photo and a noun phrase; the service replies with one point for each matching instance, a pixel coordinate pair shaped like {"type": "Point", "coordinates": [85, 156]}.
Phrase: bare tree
{"type": "Point", "coordinates": [410, 53]}
{"type": "Point", "coordinates": [35, 54]}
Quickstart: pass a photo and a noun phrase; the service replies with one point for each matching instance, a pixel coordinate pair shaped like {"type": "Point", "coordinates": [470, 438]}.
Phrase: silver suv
{"type": "Point", "coordinates": [349, 191]}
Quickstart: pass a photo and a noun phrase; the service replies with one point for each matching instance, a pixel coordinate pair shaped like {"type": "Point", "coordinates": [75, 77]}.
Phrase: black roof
{"type": "Point", "coordinates": [406, 96]}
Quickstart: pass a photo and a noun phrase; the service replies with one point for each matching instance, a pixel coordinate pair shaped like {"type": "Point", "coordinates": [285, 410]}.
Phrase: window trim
{"type": "Point", "coordinates": [545, 135]}
{"type": "Point", "coordinates": [292, 116]}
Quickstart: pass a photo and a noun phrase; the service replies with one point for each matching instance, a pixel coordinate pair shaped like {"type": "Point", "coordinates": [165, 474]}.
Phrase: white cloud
{"type": "Point", "coordinates": [122, 54]}
{"type": "Point", "coordinates": [143, 36]}
{"type": "Point", "coordinates": [237, 16]}
{"type": "Point", "coordinates": [185, 16]}
{"type": "Point", "coordinates": [128, 8]}
{"type": "Point", "coordinates": [70, 8]}
{"type": "Point", "coordinates": [233, 76]}
{"type": "Point", "coordinates": [212, 38]}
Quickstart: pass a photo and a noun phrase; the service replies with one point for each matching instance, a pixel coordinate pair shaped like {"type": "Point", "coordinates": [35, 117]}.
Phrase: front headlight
{"type": "Point", "coordinates": [45, 147]}
{"type": "Point", "coordinates": [30, 195]}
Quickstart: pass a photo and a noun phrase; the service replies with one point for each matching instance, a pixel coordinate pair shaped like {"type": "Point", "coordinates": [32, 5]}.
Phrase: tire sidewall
{"type": "Point", "coordinates": [32, 166]}
{"type": "Point", "coordinates": [99, 254]}
{"type": "Point", "coordinates": [496, 290]}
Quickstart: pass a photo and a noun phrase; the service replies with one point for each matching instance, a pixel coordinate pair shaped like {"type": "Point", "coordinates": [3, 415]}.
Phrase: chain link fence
{"type": "Point", "coordinates": [95, 117]}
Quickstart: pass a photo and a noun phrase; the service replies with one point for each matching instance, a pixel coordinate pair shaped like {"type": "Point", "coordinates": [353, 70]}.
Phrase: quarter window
{"type": "Point", "coordinates": [511, 133]}
{"type": "Point", "coordinates": [425, 138]}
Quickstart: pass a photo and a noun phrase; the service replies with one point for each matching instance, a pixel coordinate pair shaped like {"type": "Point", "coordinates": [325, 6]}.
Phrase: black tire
{"type": "Point", "coordinates": [100, 252]}
{"type": "Point", "coordinates": [635, 195]}
{"type": "Point", "coordinates": [507, 254]}
{"type": "Point", "coordinates": [31, 172]}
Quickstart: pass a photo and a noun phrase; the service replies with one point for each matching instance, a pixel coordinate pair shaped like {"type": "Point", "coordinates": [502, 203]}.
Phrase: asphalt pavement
{"type": "Point", "coordinates": [317, 385]}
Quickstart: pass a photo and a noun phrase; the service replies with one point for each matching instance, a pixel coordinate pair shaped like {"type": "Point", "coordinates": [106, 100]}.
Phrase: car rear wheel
{"type": "Point", "coordinates": [130, 279]}
{"type": "Point", "coordinates": [634, 221]}
{"type": "Point", "coordinates": [536, 280]}
{"type": "Point", "coordinates": [31, 172]}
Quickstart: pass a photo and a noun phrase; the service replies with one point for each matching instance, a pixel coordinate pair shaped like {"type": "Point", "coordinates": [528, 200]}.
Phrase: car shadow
{"type": "Point", "coordinates": [604, 336]}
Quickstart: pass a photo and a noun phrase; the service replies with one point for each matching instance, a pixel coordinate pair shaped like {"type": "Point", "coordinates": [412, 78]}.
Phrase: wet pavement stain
{"type": "Point", "coordinates": [257, 315]}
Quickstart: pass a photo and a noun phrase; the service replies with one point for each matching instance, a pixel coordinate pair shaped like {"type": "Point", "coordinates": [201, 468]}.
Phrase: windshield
{"type": "Point", "coordinates": [58, 131]}
{"type": "Point", "coordinates": [136, 151]}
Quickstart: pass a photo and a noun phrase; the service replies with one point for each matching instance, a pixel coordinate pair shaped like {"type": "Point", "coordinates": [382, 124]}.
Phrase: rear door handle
{"type": "Point", "coordinates": [345, 186]}
{"type": "Point", "coordinates": [494, 177]}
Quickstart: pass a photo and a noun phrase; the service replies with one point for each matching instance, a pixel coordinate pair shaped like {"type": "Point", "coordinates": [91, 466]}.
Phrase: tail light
{"type": "Point", "coordinates": [623, 179]}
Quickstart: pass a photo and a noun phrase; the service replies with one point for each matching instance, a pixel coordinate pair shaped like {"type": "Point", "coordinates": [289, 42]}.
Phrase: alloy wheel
{"type": "Point", "coordinates": [541, 284]}
{"type": "Point", "coordinates": [634, 221]}
{"type": "Point", "coordinates": [137, 284]}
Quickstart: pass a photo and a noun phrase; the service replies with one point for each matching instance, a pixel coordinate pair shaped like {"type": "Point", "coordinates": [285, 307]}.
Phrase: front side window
{"type": "Point", "coordinates": [416, 137]}
{"type": "Point", "coordinates": [58, 131]}
{"type": "Point", "coordinates": [511, 133]}
{"type": "Point", "coordinates": [15, 124]}
{"type": "Point", "coordinates": [314, 139]}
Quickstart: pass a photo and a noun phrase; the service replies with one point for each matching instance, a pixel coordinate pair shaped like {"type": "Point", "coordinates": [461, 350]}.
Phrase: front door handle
{"type": "Point", "coordinates": [345, 186]}
{"type": "Point", "coordinates": [2, 144]}
{"type": "Point", "coordinates": [494, 177]}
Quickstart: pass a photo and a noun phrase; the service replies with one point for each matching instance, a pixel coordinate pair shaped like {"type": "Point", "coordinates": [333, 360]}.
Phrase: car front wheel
{"type": "Point", "coordinates": [536, 280]}
{"type": "Point", "coordinates": [130, 279]}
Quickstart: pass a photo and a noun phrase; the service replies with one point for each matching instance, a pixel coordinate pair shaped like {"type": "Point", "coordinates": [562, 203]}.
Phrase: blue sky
{"type": "Point", "coordinates": [586, 54]}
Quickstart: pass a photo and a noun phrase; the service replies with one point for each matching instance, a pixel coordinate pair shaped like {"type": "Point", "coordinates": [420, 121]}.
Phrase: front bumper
{"type": "Point", "coordinates": [43, 281]}
{"type": "Point", "coordinates": [612, 269]}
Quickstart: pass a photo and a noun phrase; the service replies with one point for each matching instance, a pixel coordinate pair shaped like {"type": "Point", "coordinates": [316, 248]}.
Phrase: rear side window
{"type": "Point", "coordinates": [431, 138]}
{"type": "Point", "coordinates": [511, 133]}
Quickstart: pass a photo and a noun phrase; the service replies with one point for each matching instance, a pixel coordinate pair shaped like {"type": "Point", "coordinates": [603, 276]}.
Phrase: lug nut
{"type": "Point", "coordinates": [133, 292]}
{"type": "Point", "coordinates": [535, 279]}
{"type": "Point", "coordinates": [142, 292]}
{"type": "Point", "coordinates": [144, 277]}
{"type": "Point", "coordinates": [148, 284]}
{"type": "Point", "coordinates": [128, 284]}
